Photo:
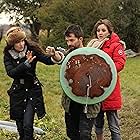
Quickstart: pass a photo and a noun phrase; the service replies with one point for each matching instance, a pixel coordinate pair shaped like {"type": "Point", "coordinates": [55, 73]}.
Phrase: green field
{"type": "Point", "coordinates": [53, 123]}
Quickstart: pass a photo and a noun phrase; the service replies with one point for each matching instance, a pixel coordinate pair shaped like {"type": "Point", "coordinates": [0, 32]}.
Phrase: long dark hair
{"type": "Point", "coordinates": [34, 46]}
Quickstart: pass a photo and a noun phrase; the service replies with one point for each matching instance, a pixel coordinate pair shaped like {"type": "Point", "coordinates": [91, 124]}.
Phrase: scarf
{"type": "Point", "coordinates": [95, 43]}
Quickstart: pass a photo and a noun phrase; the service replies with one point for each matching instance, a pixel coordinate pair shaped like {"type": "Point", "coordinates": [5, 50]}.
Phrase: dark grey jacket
{"type": "Point", "coordinates": [25, 84]}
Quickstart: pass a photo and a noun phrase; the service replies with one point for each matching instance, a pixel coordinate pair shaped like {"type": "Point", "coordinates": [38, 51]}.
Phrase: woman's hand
{"type": "Point", "coordinates": [30, 56]}
{"type": "Point", "coordinates": [50, 51]}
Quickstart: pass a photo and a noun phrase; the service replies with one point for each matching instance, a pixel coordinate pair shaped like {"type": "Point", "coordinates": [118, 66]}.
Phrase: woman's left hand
{"type": "Point", "coordinates": [56, 55]}
{"type": "Point", "coordinates": [50, 51]}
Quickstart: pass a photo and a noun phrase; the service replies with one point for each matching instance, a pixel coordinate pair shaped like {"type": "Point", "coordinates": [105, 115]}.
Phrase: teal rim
{"type": "Point", "coordinates": [67, 89]}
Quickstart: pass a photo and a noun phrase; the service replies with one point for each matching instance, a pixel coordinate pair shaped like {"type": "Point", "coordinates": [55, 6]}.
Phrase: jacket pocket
{"type": "Point", "coordinates": [12, 89]}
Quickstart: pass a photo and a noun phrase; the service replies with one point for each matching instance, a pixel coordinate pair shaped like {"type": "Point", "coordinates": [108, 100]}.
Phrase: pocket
{"type": "Point", "coordinates": [12, 89]}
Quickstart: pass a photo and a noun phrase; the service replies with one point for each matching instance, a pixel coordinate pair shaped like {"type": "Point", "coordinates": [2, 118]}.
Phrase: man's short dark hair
{"type": "Point", "coordinates": [74, 29]}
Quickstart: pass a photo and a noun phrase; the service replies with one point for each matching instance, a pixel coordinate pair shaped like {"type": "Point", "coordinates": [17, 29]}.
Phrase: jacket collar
{"type": "Point", "coordinates": [17, 55]}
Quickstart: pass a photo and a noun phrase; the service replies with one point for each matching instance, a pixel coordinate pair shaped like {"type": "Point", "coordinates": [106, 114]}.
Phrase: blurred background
{"type": "Point", "coordinates": [46, 20]}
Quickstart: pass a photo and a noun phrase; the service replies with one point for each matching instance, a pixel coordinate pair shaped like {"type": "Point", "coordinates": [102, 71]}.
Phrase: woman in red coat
{"type": "Point", "coordinates": [109, 42]}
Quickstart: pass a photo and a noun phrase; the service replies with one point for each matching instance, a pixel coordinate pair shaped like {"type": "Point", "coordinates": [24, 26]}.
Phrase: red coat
{"type": "Point", "coordinates": [115, 50]}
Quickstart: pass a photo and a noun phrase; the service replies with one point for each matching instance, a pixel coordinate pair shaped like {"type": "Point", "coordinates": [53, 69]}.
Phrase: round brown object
{"type": "Point", "coordinates": [81, 68]}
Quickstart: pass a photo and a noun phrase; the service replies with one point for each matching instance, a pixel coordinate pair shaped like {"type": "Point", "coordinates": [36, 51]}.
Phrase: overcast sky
{"type": "Point", "coordinates": [4, 19]}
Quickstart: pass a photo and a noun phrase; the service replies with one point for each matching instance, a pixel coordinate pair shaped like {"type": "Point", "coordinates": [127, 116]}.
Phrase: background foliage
{"type": "Point", "coordinates": [55, 15]}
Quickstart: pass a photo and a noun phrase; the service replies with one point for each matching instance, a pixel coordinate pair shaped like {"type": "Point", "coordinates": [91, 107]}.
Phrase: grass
{"type": "Point", "coordinates": [53, 122]}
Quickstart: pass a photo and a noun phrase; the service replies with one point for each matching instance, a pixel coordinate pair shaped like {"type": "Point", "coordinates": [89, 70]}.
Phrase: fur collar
{"type": "Point", "coordinates": [17, 55]}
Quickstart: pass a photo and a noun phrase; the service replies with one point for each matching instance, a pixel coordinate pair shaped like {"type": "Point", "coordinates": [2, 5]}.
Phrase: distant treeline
{"type": "Point", "coordinates": [54, 16]}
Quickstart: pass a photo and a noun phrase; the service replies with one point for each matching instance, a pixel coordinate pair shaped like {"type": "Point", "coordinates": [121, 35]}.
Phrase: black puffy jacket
{"type": "Point", "coordinates": [25, 84]}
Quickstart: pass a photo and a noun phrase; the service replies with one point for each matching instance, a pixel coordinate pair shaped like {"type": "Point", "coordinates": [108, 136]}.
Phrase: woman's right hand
{"type": "Point", "coordinates": [30, 56]}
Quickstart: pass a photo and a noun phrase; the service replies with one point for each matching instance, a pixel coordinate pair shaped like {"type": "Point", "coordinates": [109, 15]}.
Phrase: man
{"type": "Point", "coordinates": [78, 123]}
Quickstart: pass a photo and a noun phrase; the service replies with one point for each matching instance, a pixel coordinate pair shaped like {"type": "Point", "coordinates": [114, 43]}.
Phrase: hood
{"type": "Point", "coordinates": [115, 38]}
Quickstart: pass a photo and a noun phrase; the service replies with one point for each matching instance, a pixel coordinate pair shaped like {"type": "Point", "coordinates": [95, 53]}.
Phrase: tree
{"type": "Point", "coordinates": [126, 17]}
{"type": "Point", "coordinates": [61, 13]}
{"type": "Point", "coordinates": [24, 9]}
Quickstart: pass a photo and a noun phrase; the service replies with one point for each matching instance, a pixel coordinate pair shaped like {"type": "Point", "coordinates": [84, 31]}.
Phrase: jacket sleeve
{"type": "Point", "coordinates": [119, 57]}
{"type": "Point", "coordinates": [48, 60]}
{"type": "Point", "coordinates": [14, 71]}
{"type": "Point", "coordinates": [44, 58]}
